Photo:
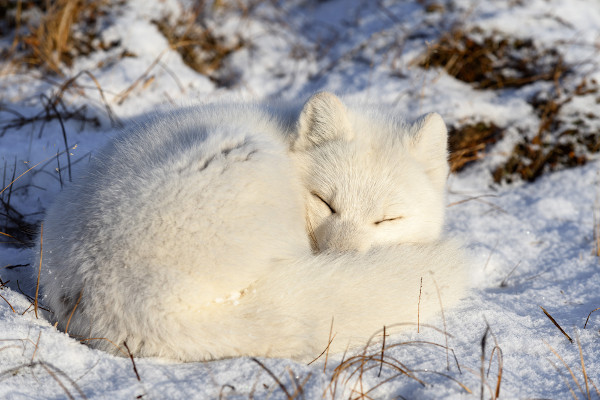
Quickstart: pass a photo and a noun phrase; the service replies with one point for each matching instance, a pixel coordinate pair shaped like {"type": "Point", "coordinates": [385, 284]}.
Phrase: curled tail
{"type": "Point", "coordinates": [289, 312]}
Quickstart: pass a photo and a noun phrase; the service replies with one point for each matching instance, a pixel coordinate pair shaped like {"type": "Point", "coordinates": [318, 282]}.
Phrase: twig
{"type": "Point", "coordinates": [223, 387]}
{"type": "Point", "coordinates": [31, 299]}
{"type": "Point", "coordinates": [73, 312]}
{"type": "Point", "coordinates": [37, 286]}
{"type": "Point", "coordinates": [382, 351]}
{"type": "Point", "coordinates": [37, 343]}
{"type": "Point", "coordinates": [272, 375]}
{"type": "Point", "coordinates": [64, 133]}
{"type": "Point", "coordinates": [482, 371]}
{"type": "Point", "coordinates": [298, 386]}
{"type": "Point", "coordinates": [567, 367]}
{"type": "Point", "coordinates": [132, 362]}
{"type": "Point", "coordinates": [11, 307]}
{"type": "Point", "coordinates": [503, 283]}
{"type": "Point", "coordinates": [556, 324]}
{"type": "Point", "coordinates": [58, 170]}
{"type": "Point", "coordinates": [54, 372]}
{"type": "Point", "coordinates": [500, 368]}
{"type": "Point", "coordinates": [47, 367]}
{"type": "Point", "coordinates": [470, 199]}
{"type": "Point", "coordinates": [120, 98]}
{"type": "Point", "coordinates": [585, 376]}
{"type": "Point", "coordinates": [326, 348]}
{"type": "Point", "coordinates": [588, 317]}
{"type": "Point", "coordinates": [18, 177]}
{"type": "Point", "coordinates": [595, 387]}
{"type": "Point", "coordinates": [68, 82]}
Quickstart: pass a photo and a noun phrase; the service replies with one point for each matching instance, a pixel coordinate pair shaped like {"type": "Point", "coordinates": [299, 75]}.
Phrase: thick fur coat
{"type": "Point", "coordinates": [228, 230]}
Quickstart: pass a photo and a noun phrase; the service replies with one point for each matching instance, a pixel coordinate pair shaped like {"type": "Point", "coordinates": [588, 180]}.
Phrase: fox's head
{"type": "Point", "coordinates": [370, 179]}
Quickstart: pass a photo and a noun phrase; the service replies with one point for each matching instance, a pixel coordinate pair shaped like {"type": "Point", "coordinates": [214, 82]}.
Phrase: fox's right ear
{"type": "Point", "coordinates": [430, 147]}
{"type": "Point", "coordinates": [323, 118]}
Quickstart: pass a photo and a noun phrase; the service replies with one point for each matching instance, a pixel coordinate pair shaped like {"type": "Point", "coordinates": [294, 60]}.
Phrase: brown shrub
{"type": "Point", "coordinates": [493, 62]}
{"type": "Point", "coordinates": [468, 142]}
{"type": "Point", "coordinates": [45, 36]}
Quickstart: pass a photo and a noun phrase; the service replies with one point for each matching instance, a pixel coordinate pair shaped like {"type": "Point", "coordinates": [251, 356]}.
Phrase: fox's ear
{"type": "Point", "coordinates": [430, 147]}
{"type": "Point", "coordinates": [323, 118]}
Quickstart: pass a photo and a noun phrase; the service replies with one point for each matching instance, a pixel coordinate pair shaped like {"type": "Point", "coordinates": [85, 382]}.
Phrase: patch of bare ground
{"type": "Point", "coordinates": [496, 62]}
{"type": "Point", "coordinates": [564, 138]}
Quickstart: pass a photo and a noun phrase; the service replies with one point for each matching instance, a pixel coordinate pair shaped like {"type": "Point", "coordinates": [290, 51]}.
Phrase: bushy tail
{"type": "Point", "coordinates": [289, 312]}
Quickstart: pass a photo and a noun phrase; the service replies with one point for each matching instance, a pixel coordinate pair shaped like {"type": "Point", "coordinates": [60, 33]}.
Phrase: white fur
{"type": "Point", "coordinates": [186, 236]}
{"type": "Point", "coordinates": [383, 178]}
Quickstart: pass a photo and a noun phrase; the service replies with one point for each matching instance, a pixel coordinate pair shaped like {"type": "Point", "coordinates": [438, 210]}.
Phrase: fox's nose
{"type": "Point", "coordinates": [343, 236]}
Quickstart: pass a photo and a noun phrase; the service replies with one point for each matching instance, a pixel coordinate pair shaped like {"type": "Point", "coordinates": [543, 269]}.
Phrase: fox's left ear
{"type": "Point", "coordinates": [430, 147]}
{"type": "Point", "coordinates": [323, 118]}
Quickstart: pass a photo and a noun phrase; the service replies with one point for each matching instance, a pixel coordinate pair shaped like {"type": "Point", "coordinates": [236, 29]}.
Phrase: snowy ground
{"type": "Point", "coordinates": [533, 245]}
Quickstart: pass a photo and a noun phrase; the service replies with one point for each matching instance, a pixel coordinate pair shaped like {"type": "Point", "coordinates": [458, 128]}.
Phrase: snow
{"type": "Point", "coordinates": [531, 245]}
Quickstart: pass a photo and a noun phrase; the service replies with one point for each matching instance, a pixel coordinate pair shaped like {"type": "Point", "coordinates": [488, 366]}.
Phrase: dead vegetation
{"type": "Point", "coordinates": [493, 61]}
{"type": "Point", "coordinates": [16, 227]}
{"type": "Point", "coordinates": [50, 35]}
{"type": "Point", "coordinates": [66, 30]}
{"type": "Point", "coordinates": [468, 142]}
{"type": "Point", "coordinates": [46, 37]}
{"type": "Point", "coordinates": [69, 386]}
{"type": "Point", "coordinates": [365, 373]}
{"type": "Point", "coordinates": [496, 62]}
{"type": "Point", "coordinates": [589, 384]}
{"type": "Point", "coordinates": [563, 139]}
{"type": "Point", "coordinates": [200, 47]}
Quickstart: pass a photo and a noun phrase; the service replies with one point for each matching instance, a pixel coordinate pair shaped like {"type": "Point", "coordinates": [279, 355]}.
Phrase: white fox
{"type": "Point", "coordinates": [187, 236]}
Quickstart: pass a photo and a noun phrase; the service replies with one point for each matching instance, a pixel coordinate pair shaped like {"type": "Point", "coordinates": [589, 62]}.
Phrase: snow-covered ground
{"type": "Point", "coordinates": [532, 245]}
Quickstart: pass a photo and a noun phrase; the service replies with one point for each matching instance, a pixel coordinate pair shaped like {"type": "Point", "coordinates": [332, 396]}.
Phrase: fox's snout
{"type": "Point", "coordinates": [342, 236]}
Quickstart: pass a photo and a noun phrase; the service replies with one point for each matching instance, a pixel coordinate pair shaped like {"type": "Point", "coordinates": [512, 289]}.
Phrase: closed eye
{"type": "Point", "coordinates": [324, 202]}
{"type": "Point", "coordinates": [388, 220]}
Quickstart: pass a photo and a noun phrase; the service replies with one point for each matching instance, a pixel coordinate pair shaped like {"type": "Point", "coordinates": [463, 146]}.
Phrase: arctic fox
{"type": "Point", "coordinates": [187, 236]}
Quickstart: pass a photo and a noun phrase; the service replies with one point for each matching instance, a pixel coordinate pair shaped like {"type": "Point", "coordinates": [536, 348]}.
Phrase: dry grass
{"type": "Point", "coordinates": [37, 285]}
{"type": "Point", "coordinates": [367, 371]}
{"type": "Point", "coordinates": [374, 363]}
{"type": "Point", "coordinates": [202, 49]}
{"type": "Point", "coordinates": [494, 61]}
{"type": "Point", "coordinates": [494, 393]}
{"type": "Point", "coordinates": [556, 324]}
{"type": "Point", "coordinates": [67, 31]}
{"type": "Point", "coordinates": [468, 142]}
{"type": "Point", "coordinates": [562, 140]}
{"type": "Point", "coordinates": [14, 224]}
{"type": "Point", "coordinates": [588, 317]}
{"type": "Point", "coordinates": [66, 383]}
{"type": "Point", "coordinates": [135, 371]}
{"type": "Point", "coordinates": [586, 379]}
{"type": "Point", "coordinates": [20, 229]}
{"type": "Point", "coordinates": [50, 35]}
